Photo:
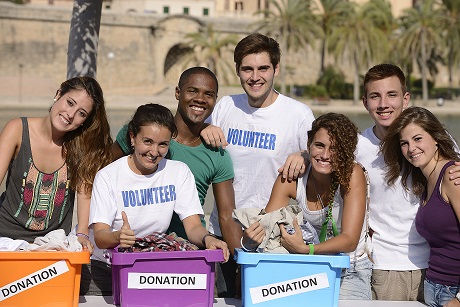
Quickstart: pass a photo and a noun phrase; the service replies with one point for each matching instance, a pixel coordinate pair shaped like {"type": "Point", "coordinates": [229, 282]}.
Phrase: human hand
{"type": "Point", "coordinates": [253, 236]}
{"type": "Point", "coordinates": [127, 237]}
{"type": "Point", "coordinates": [214, 243]}
{"type": "Point", "coordinates": [293, 243]}
{"type": "Point", "coordinates": [453, 303]}
{"type": "Point", "coordinates": [214, 136]}
{"type": "Point", "coordinates": [294, 166]}
{"type": "Point", "coordinates": [454, 173]}
{"type": "Point", "coordinates": [86, 244]}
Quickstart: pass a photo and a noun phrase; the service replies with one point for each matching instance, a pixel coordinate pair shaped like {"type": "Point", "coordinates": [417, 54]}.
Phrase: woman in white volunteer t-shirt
{"type": "Point", "coordinates": [136, 195]}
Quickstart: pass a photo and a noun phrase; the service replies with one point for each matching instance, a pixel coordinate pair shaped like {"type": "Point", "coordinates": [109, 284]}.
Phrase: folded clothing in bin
{"type": "Point", "coordinates": [159, 242]}
{"type": "Point", "coordinates": [271, 221]}
{"type": "Point", "coordinates": [55, 240]}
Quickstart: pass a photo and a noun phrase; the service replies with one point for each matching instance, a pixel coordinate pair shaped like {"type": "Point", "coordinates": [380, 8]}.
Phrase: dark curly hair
{"type": "Point", "coordinates": [344, 138]}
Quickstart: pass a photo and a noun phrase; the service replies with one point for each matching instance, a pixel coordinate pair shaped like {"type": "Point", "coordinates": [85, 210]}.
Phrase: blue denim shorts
{"type": "Point", "coordinates": [437, 295]}
{"type": "Point", "coordinates": [355, 283]}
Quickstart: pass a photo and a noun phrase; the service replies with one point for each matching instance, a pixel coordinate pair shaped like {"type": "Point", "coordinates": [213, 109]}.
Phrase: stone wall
{"type": "Point", "coordinates": [132, 54]}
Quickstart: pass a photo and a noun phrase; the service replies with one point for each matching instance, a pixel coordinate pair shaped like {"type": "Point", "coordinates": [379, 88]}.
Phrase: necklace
{"type": "Point", "coordinates": [189, 142]}
{"type": "Point", "coordinates": [329, 218]}
{"type": "Point", "coordinates": [316, 191]}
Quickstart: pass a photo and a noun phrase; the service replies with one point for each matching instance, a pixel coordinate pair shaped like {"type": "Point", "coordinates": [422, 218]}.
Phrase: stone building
{"type": "Point", "coordinates": [200, 8]}
{"type": "Point", "coordinates": [139, 48]}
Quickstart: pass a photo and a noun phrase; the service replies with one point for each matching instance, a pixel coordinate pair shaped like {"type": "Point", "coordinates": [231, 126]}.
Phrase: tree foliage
{"type": "Point", "coordinates": [421, 37]}
{"type": "Point", "coordinates": [209, 49]}
{"type": "Point", "coordinates": [334, 14]}
{"type": "Point", "coordinates": [451, 27]}
{"type": "Point", "coordinates": [293, 24]}
{"type": "Point", "coordinates": [424, 36]}
{"type": "Point", "coordinates": [362, 39]}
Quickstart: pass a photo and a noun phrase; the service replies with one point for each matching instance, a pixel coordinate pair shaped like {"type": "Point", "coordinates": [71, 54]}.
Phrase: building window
{"type": "Point", "coordinates": [186, 9]}
{"type": "Point", "coordinates": [205, 12]}
{"type": "Point", "coordinates": [239, 6]}
{"type": "Point", "coordinates": [166, 9]}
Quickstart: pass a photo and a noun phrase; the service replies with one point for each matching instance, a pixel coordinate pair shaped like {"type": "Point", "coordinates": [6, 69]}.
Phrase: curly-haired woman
{"type": "Point", "coordinates": [332, 194]}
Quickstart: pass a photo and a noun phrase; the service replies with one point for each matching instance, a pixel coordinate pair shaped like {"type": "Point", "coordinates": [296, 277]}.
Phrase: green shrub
{"type": "Point", "coordinates": [417, 84]}
{"type": "Point", "coordinates": [310, 91]}
{"type": "Point", "coordinates": [333, 81]}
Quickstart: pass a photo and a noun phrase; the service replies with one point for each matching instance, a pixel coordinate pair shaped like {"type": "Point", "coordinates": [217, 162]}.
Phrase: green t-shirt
{"type": "Point", "coordinates": [208, 165]}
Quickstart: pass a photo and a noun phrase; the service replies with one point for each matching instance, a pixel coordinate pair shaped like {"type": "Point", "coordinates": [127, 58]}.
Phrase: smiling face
{"type": "Point", "coordinates": [151, 144]}
{"type": "Point", "coordinates": [197, 98]}
{"type": "Point", "coordinates": [71, 110]}
{"type": "Point", "coordinates": [418, 146]}
{"type": "Point", "coordinates": [321, 153]}
{"type": "Point", "coordinates": [385, 101]}
{"type": "Point", "coordinates": [257, 74]}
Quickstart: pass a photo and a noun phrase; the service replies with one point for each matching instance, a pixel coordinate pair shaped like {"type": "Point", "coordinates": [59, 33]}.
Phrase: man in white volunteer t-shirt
{"type": "Point", "coordinates": [262, 128]}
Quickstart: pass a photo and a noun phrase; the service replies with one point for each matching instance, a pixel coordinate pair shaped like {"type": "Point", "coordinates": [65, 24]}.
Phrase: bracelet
{"type": "Point", "coordinates": [207, 235]}
{"type": "Point", "coordinates": [244, 248]}
{"type": "Point", "coordinates": [312, 249]}
{"type": "Point", "coordinates": [80, 234]}
{"type": "Point", "coordinates": [238, 268]}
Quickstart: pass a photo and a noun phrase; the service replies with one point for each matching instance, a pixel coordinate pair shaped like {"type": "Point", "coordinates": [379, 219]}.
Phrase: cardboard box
{"type": "Point", "coordinates": [178, 278]}
{"type": "Point", "coordinates": [290, 279]}
{"type": "Point", "coordinates": [41, 278]}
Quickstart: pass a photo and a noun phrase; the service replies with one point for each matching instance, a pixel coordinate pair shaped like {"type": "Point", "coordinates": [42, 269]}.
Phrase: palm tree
{"type": "Point", "coordinates": [334, 13]}
{"type": "Point", "coordinates": [294, 26]}
{"type": "Point", "coordinates": [362, 38]}
{"type": "Point", "coordinates": [421, 36]}
{"type": "Point", "coordinates": [84, 38]}
{"type": "Point", "coordinates": [208, 48]}
{"type": "Point", "coordinates": [452, 28]}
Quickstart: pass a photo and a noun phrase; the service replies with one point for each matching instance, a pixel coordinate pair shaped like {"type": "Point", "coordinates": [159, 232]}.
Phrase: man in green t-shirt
{"type": "Point", "coordinates": [197, 95]}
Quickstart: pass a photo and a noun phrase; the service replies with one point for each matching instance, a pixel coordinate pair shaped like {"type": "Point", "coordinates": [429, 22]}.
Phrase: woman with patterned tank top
{"type": "Point", "coordinates": [48, 159]}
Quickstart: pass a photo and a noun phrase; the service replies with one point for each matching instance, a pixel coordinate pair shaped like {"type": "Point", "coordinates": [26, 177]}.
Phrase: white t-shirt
{"type": "Point", "coordinates": [148, 200]}
{"type": "Point", "coordinates": [397, 245]}
{"type": "Point", "coordinates": [260, 140]}
{"type": "Point", "coordinates": [317, 217]}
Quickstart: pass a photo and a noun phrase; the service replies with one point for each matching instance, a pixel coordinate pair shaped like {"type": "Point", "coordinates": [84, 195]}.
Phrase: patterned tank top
{"type": "Point", "coordinates": [34, 202]}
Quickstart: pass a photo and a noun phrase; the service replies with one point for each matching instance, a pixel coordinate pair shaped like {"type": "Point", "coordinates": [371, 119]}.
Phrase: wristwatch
{"type": "Point", "coordinates": [458, 296]}
{"type": "Point", "coordinates": [203, 241]}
